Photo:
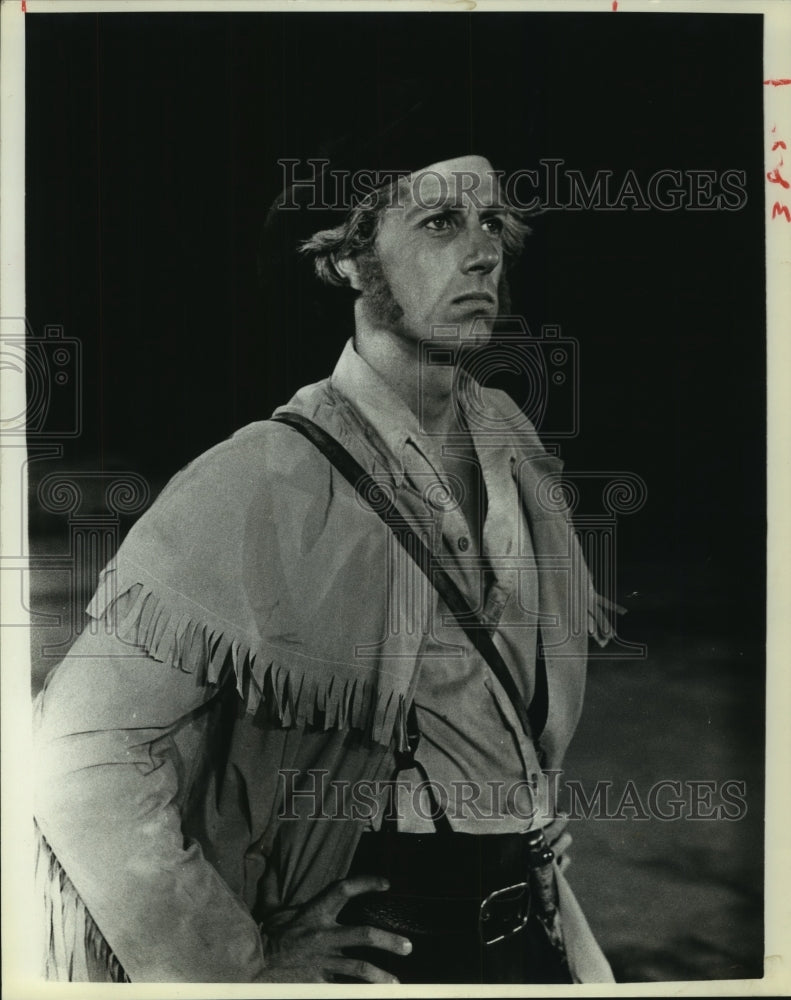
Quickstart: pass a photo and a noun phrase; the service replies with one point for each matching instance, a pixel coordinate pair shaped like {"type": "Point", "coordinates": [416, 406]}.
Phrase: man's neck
{"type": "Point", "coordinates": [426, 389]}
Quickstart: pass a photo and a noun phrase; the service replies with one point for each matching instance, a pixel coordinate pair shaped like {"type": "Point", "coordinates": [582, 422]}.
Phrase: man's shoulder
{"type": "Point", "coordinates": [261, 452]}
{"type": "Point", "coordinates": [261, 456]}
{"type": "Point", "coordinates": [261, 484]}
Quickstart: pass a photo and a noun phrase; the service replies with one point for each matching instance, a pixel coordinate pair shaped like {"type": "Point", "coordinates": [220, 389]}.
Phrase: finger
{"type": "Point", "coordinates": [372, 937]}
{"type": "Point", "coordinates": [595, 631]}
{"type": "Point", "coordinates": [356, 968]}
{"type": "Point", "coordinates": [554, 829]}
{"type": "Point", "coordinates": [599, 625]}
{"type": "Point", "coordinates": [611, 605]}
{"type": "Point", "coordinates": [562, 844]}
{"type": "Point", "coordinates": [600, 634]}
{"type": "Point", "coordinates": [605, 624]}
{"type": "Point", "coordinates": [328, 904]}
{"type": "Point", "coordinates": [359, 884]}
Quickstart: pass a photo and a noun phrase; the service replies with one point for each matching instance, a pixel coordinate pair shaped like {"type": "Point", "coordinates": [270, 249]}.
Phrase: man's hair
{"type": "Point", "coordinates": [356, 234]}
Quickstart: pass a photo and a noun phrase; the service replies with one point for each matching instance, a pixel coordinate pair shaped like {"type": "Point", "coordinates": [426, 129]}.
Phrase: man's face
{"type": "Point", "coordinates": [438, 254]}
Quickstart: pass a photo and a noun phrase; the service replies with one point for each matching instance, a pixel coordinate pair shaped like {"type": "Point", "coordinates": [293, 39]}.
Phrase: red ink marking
{"type": "Point", "coordinates": [24, 7]}
{"type": "Point", "coordinates": [777, 83]}
{"type": "Point", "coordinates": [774, 178]}
{"type": "Point", "coordinates": [778, 209]}
{"type": "Point", "coordinates": [779, 145]}
{"type": "Point", "coordinates": [615, 4]}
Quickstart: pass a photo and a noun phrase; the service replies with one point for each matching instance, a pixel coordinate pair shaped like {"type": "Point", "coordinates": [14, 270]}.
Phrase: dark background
{"type": "Point", "coordinates": [152, 143]}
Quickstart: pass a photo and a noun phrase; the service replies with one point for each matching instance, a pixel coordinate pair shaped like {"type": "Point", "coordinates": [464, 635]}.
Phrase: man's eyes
{"type": "Point", "coordinates": [446, 221]}
{"type": "Point", "coordinates": [439, 223]}
{"type": "Point", "coordinates": [496, 223]}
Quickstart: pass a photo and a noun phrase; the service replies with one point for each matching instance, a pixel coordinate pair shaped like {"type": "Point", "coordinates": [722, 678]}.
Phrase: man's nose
{"type": "Point", "coordinates": [483, 254]}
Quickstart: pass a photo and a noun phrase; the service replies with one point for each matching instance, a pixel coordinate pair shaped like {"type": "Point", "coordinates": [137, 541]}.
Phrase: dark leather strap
{"type": "Point", "coordinates": [377, 499]}
{"type": "Point", "coordinates": [405, 760]}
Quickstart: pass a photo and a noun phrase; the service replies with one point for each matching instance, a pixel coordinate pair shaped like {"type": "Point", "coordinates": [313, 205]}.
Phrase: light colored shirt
{"type": "Point", "coordinates": [469, 736]}
{"type": "Point", "coordinates": [247, 634]}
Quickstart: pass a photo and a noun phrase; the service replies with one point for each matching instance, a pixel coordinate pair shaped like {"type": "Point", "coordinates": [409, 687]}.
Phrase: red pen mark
{"type": "Point", "coordinates": [777, 83]}
{"type": "Point", "coordinates": [615, 4]}
{"type": "Point", "coordinates": [778, 145]}
{"type": "Point", "coordinates": [24, 7]}
{"type": "Point", "coordinates": [774, 178]}
{"type": "Point", "coordinates": [778, 209]}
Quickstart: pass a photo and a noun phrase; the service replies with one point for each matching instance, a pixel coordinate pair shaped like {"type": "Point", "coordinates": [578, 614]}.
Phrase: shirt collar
{"type": "Point", "coordinates": [383, 411]}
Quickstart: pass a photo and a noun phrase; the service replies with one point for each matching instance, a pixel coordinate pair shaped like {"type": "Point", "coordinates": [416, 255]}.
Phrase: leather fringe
{"type": "Point", "coordinates": [302, 690]}
{"type": "Point", "coordinates": [75, 950]}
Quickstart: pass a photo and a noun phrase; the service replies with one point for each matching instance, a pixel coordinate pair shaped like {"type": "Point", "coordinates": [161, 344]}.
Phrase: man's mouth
{"type": "Point", "coordinates": [476, 297]}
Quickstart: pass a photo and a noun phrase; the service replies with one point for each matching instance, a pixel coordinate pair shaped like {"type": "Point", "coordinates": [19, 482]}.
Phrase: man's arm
{"type": "Point", "coordinates": [107, 788]}
{"type": "Point", "coordinates": [106, 793]}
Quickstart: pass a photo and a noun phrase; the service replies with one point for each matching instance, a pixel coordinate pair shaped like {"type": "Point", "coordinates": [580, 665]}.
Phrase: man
{"type": "Point", "coordinates": [261, 631]}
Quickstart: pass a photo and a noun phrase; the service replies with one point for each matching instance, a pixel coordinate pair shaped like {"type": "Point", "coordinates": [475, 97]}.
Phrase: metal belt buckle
{"type": "Point", "coordinates": [504, 913]}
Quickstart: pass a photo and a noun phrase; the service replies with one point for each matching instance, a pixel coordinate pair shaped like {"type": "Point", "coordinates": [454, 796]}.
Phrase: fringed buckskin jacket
{"type": "Point", "coordinates": [246, 627]}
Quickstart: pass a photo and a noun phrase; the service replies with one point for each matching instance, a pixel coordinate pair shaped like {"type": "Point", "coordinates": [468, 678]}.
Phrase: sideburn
{"type": "Point", "coordinates": [376, 291]}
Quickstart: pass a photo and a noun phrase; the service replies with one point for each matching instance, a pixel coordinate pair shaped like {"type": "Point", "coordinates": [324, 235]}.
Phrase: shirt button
{"type": "Point", "coordinates": [464, 543]}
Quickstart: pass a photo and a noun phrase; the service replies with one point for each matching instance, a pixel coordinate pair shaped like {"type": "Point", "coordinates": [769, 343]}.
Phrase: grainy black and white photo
{"type": "Point", "coordinates": [396, 493]}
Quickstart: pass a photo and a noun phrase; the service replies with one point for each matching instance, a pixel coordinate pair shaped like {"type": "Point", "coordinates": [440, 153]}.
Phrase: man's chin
{"type": "Point", "coordinates": [461, 338]}
{"type": "Point", "coordinates": [476, 332]}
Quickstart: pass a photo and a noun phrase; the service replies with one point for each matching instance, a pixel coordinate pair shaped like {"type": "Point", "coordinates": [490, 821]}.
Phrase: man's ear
{"type": "Point", "coordinates": [348, 269]}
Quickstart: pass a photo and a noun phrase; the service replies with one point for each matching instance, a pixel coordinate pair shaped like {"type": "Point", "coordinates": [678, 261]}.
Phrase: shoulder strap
{"type": "Point", "coordinates": [377, 499]}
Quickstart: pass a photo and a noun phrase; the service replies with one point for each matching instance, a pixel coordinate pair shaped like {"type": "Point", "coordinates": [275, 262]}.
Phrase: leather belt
{"type": "Point", "coordinates": [463, 884]}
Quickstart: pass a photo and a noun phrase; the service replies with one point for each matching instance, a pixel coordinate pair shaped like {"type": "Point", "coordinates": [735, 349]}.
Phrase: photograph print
{"type": "Point", "coordinates": [396, 494]}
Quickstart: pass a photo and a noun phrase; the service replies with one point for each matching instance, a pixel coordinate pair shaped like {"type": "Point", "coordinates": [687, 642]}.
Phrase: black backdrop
{"type": "Point", "coordinates": [152, 143]}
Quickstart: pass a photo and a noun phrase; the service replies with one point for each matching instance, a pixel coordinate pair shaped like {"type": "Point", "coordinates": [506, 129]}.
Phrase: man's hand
{"type": "Point", "coordinates": [600, 617]}
{"type": "Point", "coordinates": [307, 945]}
